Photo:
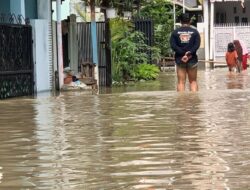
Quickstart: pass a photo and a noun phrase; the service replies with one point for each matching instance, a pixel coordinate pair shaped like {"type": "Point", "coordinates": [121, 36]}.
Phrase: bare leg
{"type": "Point", "coordinates": [192, 77]}
{"type": "Point", "coordinates": [181, 75]}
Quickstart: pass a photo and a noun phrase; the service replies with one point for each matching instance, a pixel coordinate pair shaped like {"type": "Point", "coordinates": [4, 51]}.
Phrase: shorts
{"type": "Point", "coordinates": [188, 65]}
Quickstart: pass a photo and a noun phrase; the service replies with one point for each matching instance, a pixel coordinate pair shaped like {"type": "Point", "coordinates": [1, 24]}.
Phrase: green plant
{"type": "Point", "coordinates": [161, 11]}
{"type": "Point", "coordinates": [147, 72]}
{"type": "Point", "coordinates": [82, 13]}
{"type": "Point", "coordinates": [128, 50]}
{"type": "Point", "coordinates": [127, 5]}
{"type": "Point", "coordinates": [156, 54]}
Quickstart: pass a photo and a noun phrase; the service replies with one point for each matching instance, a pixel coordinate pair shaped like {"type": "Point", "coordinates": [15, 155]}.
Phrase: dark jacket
{"type": "Point", "coordinates": [185, 39]}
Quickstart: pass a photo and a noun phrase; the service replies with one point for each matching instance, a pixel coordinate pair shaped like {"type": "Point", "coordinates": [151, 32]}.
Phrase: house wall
{"type": "Point", "coordinates": [226, 12]}
{"type": "Point", "coordinates": [225, 34]}
{"type": "Point", "coordinates": [42, 35]}
{"type": "Point", "coordinates": [17, 7]}
{"type": "Point", "coordinates": [28, 8]}
{"type": "Point", "coordinates": [41, 54]}
{"type": "Point", "coordinates": [31, 9]}
{"type": "Point", "coordinates": [4, 6]}
{"type": "Point", "coordinates": [39, 11]}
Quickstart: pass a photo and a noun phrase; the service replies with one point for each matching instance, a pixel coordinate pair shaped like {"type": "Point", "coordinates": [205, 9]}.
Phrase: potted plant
{"type": "Point", "coordinates": [111, 12]}
{"type": "Point", "coordinates": [127, 8]}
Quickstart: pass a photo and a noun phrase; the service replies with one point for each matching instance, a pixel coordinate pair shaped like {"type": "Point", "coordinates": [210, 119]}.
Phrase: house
{"type": "Point", "coordinates": [39, 14]}
{"type": "Point", "coordinates": [224, 21]}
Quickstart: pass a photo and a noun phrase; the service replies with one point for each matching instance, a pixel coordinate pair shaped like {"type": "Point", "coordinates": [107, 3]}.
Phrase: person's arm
{"type": "Point", "coordinates": [174, 46]}
{"type": "Point", "coordinates": [197, 41]}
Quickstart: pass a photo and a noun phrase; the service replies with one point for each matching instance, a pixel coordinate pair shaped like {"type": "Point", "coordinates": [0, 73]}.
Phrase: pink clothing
{"type": "Point", "coordinates": [244, 54]}
{"type": "Point", "coordinates": [244, 62]}
{"type": "Point", "coordinates": [244, 48]}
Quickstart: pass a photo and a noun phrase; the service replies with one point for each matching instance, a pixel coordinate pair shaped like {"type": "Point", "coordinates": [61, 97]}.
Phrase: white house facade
{"type": "Point", "coordinates": [225, 21]}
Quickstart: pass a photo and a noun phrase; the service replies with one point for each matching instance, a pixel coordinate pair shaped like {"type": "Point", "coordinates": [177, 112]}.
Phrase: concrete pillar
{"type": "Point", "coordinates": [59, 44]}
{"type": "Point", "coordinates": [183, 6]}
{"type": "Point", "coordinates": [206, 23]}
{"type": "Point", "coordinates": [73, 48]}
{"type": "Point", "coordinates": [211, 56]}
{"type": "Point", "coordinates": [44, 17]}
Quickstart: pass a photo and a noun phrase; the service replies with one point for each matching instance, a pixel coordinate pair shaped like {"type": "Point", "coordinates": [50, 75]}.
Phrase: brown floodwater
{"type": "Point", "coordinates": [139, 137]}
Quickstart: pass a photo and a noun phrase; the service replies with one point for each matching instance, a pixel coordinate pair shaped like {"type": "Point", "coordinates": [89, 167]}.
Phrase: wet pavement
{"type": "Point", "coordinates": [144, 136]}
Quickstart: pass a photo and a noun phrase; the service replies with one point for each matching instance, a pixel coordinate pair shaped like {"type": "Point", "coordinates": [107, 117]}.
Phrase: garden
{"type": "Point", "coordinates": [132, 58]}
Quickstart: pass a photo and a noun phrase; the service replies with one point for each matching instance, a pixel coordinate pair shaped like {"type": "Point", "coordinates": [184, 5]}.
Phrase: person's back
{"type": "Point", "coordinates": [239, 51]}
{"type": "Point", "coordinates": [185, 41]}
{"type": "Point", "coordinates": [231, 57]}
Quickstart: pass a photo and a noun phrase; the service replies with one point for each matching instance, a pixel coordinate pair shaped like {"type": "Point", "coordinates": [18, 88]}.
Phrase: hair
{"type": "Point", "coordinates": [185, 18]}
{"type": "Point", "coordinates": [230, 47]}
{"type": "Point", "coordinates": [238, 47]}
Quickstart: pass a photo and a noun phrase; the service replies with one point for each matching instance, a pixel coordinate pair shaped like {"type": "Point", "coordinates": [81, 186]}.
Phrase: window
{"type": "Point", "coordinates": [236, 19]}
{"type": "Point", "coordinates": [217, 18]}
{"type": "Point", "coordinates": [235, 10]}
{"type": "Point", "coordinates": [244, 10]}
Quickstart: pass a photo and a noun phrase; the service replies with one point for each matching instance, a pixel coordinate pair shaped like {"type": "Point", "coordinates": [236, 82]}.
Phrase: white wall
{"type": "Point", "coordinates": [42, 46]}
{"type": "Point", "coordinates": [64, 10]}
{"type": "Point", "coordinates": [41, 55]}
{"type": "Point", "coordinates": [17, 7]}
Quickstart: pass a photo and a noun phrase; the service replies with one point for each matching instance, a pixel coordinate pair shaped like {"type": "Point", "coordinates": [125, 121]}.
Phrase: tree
{"type": "Point", "coordinates": [161, 11]}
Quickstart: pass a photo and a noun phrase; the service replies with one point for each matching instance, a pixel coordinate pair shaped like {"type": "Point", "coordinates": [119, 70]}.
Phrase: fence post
{"type": "Point", "coordinates": [73, 48]}
{"type": "Point", "coordinates": [108, 53]}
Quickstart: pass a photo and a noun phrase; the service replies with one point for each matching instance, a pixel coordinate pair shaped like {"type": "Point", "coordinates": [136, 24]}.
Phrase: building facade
{"type": "Point", "coordinates": [39, 13]}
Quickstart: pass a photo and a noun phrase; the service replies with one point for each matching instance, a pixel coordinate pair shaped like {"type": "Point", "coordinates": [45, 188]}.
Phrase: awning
{"type": "Point", "coordinates": [190, 5]}
{"type": "Point", "coordinates": [187, 3]}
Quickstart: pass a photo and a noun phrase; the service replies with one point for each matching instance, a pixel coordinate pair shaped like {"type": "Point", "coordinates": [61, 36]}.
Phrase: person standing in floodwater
{"type": "Point", "coordinates": [239, 51]}
{"type": "Point", "coordinates": [244, 55]}
{"type": "Point", "coordinates": [231, 57]}
{"type": "Point", "coordinates": [185, 41]}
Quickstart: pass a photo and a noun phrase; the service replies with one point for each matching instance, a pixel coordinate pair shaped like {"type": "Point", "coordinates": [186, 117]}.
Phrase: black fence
{"type": "Point", "coordinates": [16, 61]}
{"type": "Point", "coordinates": [146, 26]}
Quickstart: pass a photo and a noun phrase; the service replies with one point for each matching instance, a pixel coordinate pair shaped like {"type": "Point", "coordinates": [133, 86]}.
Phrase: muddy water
{"type": "Point", "coordinates": [145, 136]}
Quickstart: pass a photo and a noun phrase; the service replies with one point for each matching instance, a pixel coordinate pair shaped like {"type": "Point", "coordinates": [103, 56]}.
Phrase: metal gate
{"type": "Point", "coordinates": [85, 50]}
{"type": "Point", "coordinates": [146, 26]}
{"type": "Point", "coordinates": [16, 61]}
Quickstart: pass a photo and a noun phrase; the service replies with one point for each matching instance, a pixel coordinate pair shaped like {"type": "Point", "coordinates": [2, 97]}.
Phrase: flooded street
{"type": "Point", "coordinates": [144, 136]}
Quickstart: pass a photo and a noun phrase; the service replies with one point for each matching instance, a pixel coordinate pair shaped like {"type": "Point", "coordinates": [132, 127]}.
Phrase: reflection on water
{"type": "Point", "coordinates": [145, 137]}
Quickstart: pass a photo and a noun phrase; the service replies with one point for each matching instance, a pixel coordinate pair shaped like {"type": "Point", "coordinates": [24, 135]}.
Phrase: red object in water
{"type": "Point", "coordinates": [68, 80]}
